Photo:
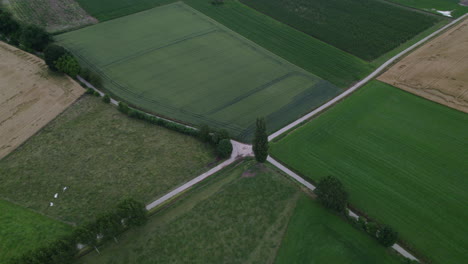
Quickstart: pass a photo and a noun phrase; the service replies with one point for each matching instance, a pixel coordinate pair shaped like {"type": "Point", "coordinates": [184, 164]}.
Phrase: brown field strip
{"type": "Point", "coordinates": [30, 96]}
{"type": "Point", "coordinates": [437, 71]}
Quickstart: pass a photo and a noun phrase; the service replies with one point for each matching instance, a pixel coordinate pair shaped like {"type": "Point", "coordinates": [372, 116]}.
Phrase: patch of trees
{"type": "Point", "coordinates": [332, 195]}
{"type": "Point", "coordinates": [27, 37]}
{"type": "Point", "coordinates": [127, 214]}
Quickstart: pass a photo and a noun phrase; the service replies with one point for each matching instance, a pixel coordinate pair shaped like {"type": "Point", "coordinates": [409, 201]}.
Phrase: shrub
{"type": "Point", "coordinates": [52, 53]}
{"type": "Point", "coordinates": [90, 91]}
{"type": "Point", "coordinates": [95, 79]}
{"type": "Point", "coordinates": [123, 107]}
{"type": "Point", "coordinates": [34, 37]}
{"type": "Point", "coordinates": [204, 133]}
{"type": "Point", "coordinates": [362, 222]}
{"type": "Point", "coordinates": [224, 148]}
{"type": "Point", "coordinates": [132, 212]}
{"type": "Point", "coordinates": [106, 99]}
{"type": "Point", "coordinates": [68, 65]}
{"type": "Point", "coordinates": [85, 73]}
{"type": "Point", "coordinates": [331, 194]}
{"type": "Point", "coordinates": [387, 236]}
{"type": "Point", "coordinates": [372, 228]}
{"type": "Point", "coordinates": [8, 25]}
{"type": "Point", "coordinates": [260, 142]}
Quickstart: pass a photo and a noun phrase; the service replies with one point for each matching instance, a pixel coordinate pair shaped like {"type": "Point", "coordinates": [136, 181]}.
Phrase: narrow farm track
{"type": "Point", "coordinates": [361, 83]}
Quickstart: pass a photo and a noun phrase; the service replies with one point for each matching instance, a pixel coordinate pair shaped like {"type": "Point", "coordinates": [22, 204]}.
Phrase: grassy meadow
{"type": "Point", "coordinates": [240, 215]}
{"type": "Point", "coordinates": [23, 230]}
{"type": "Point", "coordinates": [434, 5]}
{"type": "Point", "coordinates": [315, 235]}
{"type": "Point", "coordinates": [196, 71]}
{"type": "Point", "coordinates": [403, 160]}
{"type": "Point", "coordinates": [365, 28]}
{"type": "Point", "coordinates": [100, 156]}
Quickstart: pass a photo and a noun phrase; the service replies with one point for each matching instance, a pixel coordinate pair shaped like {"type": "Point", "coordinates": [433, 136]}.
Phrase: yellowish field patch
{"type": "Point", "coordinates": [437, 71]}
{"type": "Point", "coordinates": [30, 96]}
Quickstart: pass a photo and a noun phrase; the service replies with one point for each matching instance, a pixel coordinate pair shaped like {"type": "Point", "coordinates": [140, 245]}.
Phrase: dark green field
{"type": "Point", "coordinates": [315, 235]}
{"type": "Point", "coordinates": [197, 71]}
{"type": "Point", "coordinates": [365, 28]}
{"type": "Point", "coordinates": [101, 156]}
{"type": "Point", "coordinates": [22, 230]}
{"type": "Point", "coordinates": [240, 215]}
{"type": "Point", "coordinates": [403, 160]}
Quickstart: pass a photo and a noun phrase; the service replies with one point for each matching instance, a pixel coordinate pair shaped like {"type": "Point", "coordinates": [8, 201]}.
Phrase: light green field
{"type": "Point", "coordinates": [434, 5]}
{"type": "Point", "coordinates": [316, 236]}
{"type": "Point", "coordinates": [239, 215]}
{"type": "Point", "coordinates": [403, 160]}
{"type": "Point", "coordinates": [101, 156]}
{"type": "Point", "coordinates": [22, 230]}
{"type": "Point", "coordinates": [196, 70]}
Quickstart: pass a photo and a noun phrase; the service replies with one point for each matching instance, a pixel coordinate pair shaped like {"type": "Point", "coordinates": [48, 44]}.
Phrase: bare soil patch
{"type": "Point", "coordinates": [437, 71]}
{"type": "Point", "coordinates": [53, 15]}
{"type": "Point", "coordinates": [464, 2]}
{"type": "Point", "coordinates": [30, 96]}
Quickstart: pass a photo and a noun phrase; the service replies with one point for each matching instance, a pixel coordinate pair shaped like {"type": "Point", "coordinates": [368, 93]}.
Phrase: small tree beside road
{"type": "Point", "coordinates": [331, 193]}
{"type": "Point", "coordinates": [260, 142]}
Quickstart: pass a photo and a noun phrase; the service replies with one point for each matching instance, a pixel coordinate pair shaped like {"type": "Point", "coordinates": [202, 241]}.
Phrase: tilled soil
{"type": "Point", "coordinates": [437, 71]}
{"type": "Point", "coordinates": [30, 96]}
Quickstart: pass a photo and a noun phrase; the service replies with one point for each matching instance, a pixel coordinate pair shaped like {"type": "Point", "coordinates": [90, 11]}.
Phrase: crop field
{"type": "Point", "coordinates": [436, 71]}
{"type": "Point", "coordinates": [23, 230]}
{"type": "Point", "coordinates": [30, 96]}
{"type": "Point", "coordinates": [198, 71]}
{"type": "Point", "coordinates": [92, 156]}
{"type": "Point", "coordinates": [458, 7]}
{"type": "Point", "coordinates": [239, 216]}
{"type": "Point", "coordinates": [365, 28]}
{"type": "Point", "coordinates": [403, 160]}
{"type": "Point", "coordinates": [315, 235]}
{"type": "Point", "coordinates": [315, 56]}
{"type": "Point", "coordinates": [53, 15]}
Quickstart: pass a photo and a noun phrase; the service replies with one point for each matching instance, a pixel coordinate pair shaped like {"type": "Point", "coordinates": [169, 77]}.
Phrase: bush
{"type": "Point", "coordinates": [132, 212]}
{"type": "Point", "coordinates": [95, 79]}
{"type": "Point", "coordinates": [68, 65]}
{"type": "Point", "coordinates": [331, 194]}
{"type": "Point", "coordinates": [260, 142]}
{"type": "Point", "coordinates": [372, 228]}
{"type": "Point", "coordinates": [106, 99]}
{"type": "Point", "coordinates": [90, 91]}
{"type": "Point", "coordinates": [34, 37]}
{"type": "Point", "coordinates": [362, 222]}
{"type": "Point", "coordinates": [204, 133]}
{"type": "Point", "coordinates": [224, 148]}
{"type": "Point", "coordinates": [85, 73]}
{"type": "Point", "coordinates": [52, 53]}
{"type": "Point", "coordinates": [8, 24]}
{"type": "Point", "coordinates": [123, 107]}
{"type": "Point", "coordinates": [387, 236]}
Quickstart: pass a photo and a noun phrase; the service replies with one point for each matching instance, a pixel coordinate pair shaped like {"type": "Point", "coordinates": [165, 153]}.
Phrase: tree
{"type": "Point", "coordinates": [106, 99]}
{"type": "Point", "coordinates": [204, 133]}
{"type": "Point", "coordinates": [68, 65]}
{"type": "Point", "coordinates": [123, 107]}
{"type": "Point", "coordinates": [132, 212]}
{"type": "Point", "coordinates": [8, 24]}
{"type": "Point", "coordinates": [224, 148]}
{"type": "Point", "coordinates": [330, 192]}
{"type": "Point", "coordinates": [52, 53]}
{"type": "Point", "coordinates": [34, 37]}
{"type": "Point", "coordinates": [260, 142]}
{"type": "Point", "coordinates": [387, 236]}
{"type": "Point", "coordinates": [95, 79]}
{"type": "Point", "coordinates": [110, 226]}
{"type": "Point", "coordinates": [372, 228]}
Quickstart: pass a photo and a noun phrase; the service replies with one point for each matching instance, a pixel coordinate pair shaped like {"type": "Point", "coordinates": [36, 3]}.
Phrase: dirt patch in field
{"type": "Point", "coordinates": [53, 15]}
{"type": "Point", "coordinates": [464, 2]}
{"type": "Point", "coordinates": [437, 71]}
{"type": "Point", "coordinates": [30, 96]}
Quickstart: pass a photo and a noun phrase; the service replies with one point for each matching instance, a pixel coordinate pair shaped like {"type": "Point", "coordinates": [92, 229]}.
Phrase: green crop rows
{"type": "Point", "coordinates": [196, 71]}
{"type": "Point", "coordinates": [365, 28]}
{"type": "Point", "coordinates": [403, 160]}
{"type": "Point", "coordinates": [434, 5]}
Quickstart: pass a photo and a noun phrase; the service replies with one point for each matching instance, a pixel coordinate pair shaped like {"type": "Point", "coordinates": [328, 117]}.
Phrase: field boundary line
{"type": "Point", "coordinates": [352, 214]}
{"type": "Point", "coordinates": [362, 82]}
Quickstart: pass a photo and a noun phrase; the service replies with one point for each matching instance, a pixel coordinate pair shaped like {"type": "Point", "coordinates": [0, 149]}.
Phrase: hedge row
{"type": "Point", "coordinates": [128, 213]}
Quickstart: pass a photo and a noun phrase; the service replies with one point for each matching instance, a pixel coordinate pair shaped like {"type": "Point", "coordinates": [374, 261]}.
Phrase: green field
{"type": "Point", "coordinates": [319, 58]}
{"type": "Point", "coordinates": [196, 71]}
{"type": "Point", "coordinates": [101, 156]}
{"type": "Point", "coordinates": [403, 160]}
{"type": "Point", "coordinates": [315, 235]}
{"type": "Point", "coordinates": [434, 5]}
{"type": "Point", "coordinates": [239, 216]}
{"type": "Point", "coordinates": [22, 230]}
{"type": "Point", "coordinates": [365, 28]}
